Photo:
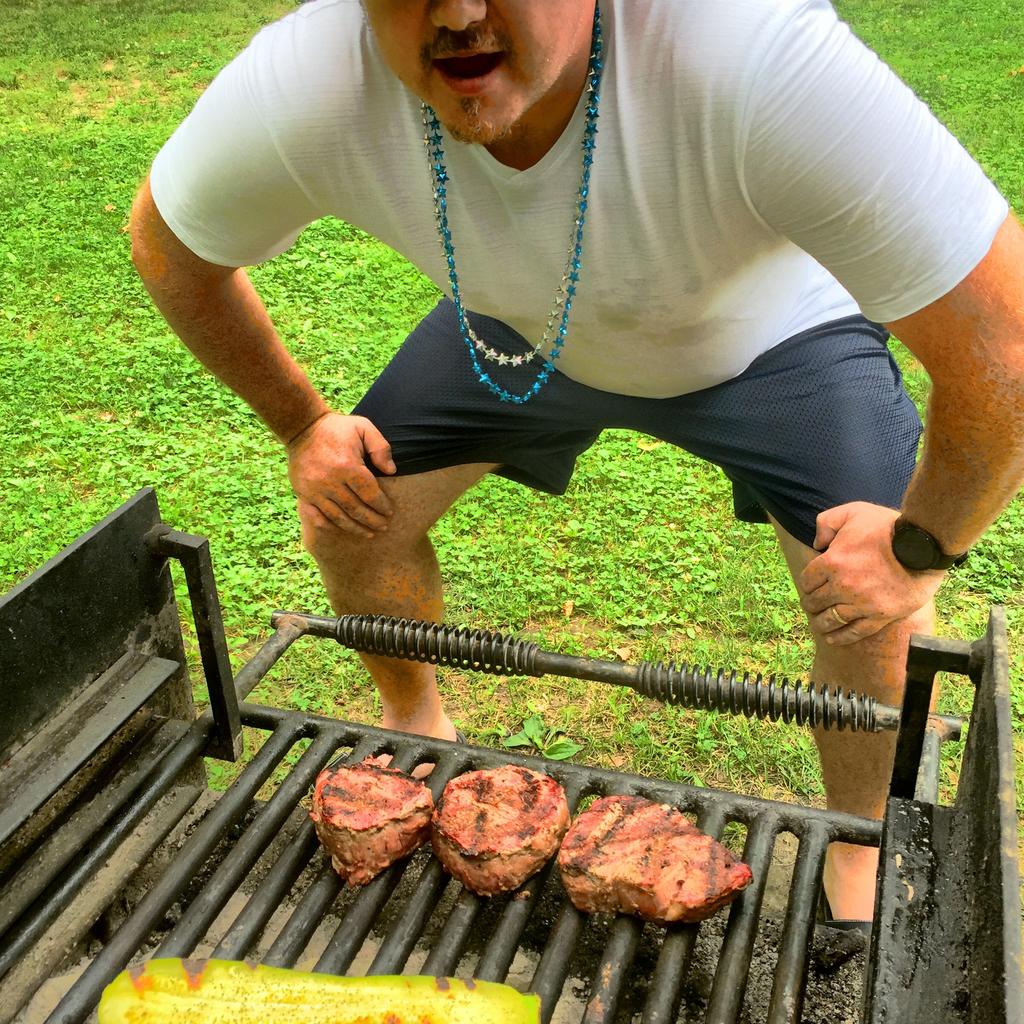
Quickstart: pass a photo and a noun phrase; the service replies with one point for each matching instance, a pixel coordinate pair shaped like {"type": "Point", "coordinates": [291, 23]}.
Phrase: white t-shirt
{"type": "Point", "coordinates": [758, 171]}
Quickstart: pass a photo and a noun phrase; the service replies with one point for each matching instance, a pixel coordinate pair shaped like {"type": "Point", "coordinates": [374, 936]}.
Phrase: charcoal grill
{"type": "Point", "coordinates": [103, 758]}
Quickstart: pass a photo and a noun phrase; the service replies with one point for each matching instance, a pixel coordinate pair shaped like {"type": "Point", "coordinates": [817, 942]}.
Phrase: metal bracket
{"type": "Point", "coordinates": [926, 656]}
{"type": "Point", "coordinates": [193, 552]}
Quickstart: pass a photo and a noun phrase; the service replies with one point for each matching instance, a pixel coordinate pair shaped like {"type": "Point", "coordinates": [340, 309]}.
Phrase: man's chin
{"type": "Point", "coordinates": [468, 123]}
{"type": "Point", "coordinates": [478, 135]}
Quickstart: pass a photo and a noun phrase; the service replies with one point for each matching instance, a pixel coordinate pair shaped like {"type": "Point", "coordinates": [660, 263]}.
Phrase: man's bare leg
{"type": "Point", "coordinates": [857, 766]}
{"type": "Point", "coordinates": [396, 573]}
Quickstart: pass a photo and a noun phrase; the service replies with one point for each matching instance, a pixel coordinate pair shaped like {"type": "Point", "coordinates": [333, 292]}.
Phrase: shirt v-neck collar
{"type": "Point", "coordinates": [566, 144]}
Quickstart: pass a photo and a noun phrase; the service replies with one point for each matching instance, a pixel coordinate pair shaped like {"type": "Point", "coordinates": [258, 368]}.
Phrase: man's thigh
{"type": "Point", "coordinates": [818, 421]}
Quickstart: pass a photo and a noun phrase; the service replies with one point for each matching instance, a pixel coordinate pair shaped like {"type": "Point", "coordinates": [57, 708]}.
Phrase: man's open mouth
{"type": "Point", "coordinates": [465, 69]}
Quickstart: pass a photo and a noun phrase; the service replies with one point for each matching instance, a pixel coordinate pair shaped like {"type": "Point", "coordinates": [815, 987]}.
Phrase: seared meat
{"type": "Point", "coordinates": [368, 816]}
{"type": "Point", "coordinates": [493, 829]}
{"type": "Point", "coordinates": [625, 853]}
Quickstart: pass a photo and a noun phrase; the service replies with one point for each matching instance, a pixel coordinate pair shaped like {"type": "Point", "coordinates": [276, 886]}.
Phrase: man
{"type": "Point", "coordinates": [747, 194]}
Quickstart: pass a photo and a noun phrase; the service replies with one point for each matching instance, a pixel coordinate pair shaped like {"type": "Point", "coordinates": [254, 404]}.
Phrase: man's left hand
{"type": "Point", "coordinates": [856, 587]}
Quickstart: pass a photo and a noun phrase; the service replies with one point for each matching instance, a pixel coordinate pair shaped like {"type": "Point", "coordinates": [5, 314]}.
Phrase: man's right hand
{"type": "Point", "coordinates": [328, 472]}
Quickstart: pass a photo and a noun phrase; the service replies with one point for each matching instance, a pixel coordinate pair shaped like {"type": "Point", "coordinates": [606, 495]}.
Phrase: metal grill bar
{"type": "Point", "coordinates": [734, 962]}
{"type": "Point", "coordinates": [352, 932]}
{"type": "Point", "coordinates": [246, 928]}
{"type": "Point", "coordinates": [927, 789]}
{"type": "Point", "coordinates": [484, 651]}
{"type": "Point", "coordinates": [665, 991]}
{"type": "Point", "coordinates": [846, 828]}
{"type": "Point", "coordinates": [612, 971]}
{"type": "Point", "coordinates": [447, 951]}
{"type": "Point", "coordinates": [500, 952]}
{"type": "Point", "coordinates": [316, 900]}
{"type": "Point", "coordinates": [266, 657]}
{"type": "Point", "coordinates": [28, 930]}
{"type": "Point", "coordinates": [305, 918]}
{"type": "Point", "coordinates": [925, 657]}
{"type": "Point", "coordinates": [194, 554]}
{"type": "Point", "coordinates": [85, 993]}
{"type": "Point", "coordinates": [554, 964]}
{"type": "Point", "coordinates": [481, 650]}
{"type": "Point", "coordinates": [790, 982]}
{"type": "Point", "coordinates": [395, 949]}
{"type": "Point", "coordinates": [225, 880]}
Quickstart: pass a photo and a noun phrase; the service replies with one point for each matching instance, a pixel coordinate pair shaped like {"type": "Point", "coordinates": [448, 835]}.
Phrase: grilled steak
{"type": "Point", "coordinates": [625, 853]}
{"type": "Point", "coordinates": [493, 829]}
{"type": "Point", "coordinates": [367, 816]}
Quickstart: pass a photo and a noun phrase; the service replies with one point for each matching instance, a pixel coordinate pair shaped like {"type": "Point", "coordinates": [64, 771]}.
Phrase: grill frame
{"type": "Point", "coordinates": [897, 947]}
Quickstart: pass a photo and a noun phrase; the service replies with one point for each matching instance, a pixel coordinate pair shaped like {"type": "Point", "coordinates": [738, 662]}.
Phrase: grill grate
{"type": "Point", "coordinates": [469, 913]}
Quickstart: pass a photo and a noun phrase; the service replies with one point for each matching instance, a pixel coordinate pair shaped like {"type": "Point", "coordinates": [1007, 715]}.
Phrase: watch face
{"type": "Point", "coordinates": [914, 548]}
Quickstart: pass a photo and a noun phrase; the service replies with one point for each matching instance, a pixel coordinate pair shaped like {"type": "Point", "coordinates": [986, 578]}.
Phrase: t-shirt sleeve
{"type": "Point", "coordinates": [839, 156]}
{"type": "Point", "coordinates": [222, 182]}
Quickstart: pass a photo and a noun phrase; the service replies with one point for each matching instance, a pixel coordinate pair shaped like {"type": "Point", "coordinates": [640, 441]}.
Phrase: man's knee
{"type": "Point", "coordinates": [330, 545]}
{"type": "Point", "coordinates": [418, 501]}
{"type": "Point", "coordinates": [877, 663]}
{"type": "Point", "coordinates": [922, 621]}
{"type": "Point", "coordinates": [322, 540]}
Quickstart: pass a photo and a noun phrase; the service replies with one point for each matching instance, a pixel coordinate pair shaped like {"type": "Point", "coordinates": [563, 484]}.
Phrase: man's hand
{"type": "Point", "coordinates": [328, 472]}
{"type": "Point", "coordinates": [856, 587]}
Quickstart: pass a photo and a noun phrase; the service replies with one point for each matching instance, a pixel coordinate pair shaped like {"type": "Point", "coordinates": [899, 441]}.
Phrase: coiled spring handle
{"type": "Point", "coordinates": [711, 689]}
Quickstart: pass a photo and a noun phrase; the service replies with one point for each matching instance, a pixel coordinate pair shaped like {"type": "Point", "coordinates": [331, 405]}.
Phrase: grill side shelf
{"type": "Point", "coordinates": [88, 818]}
{"type": "Point", "coordinates": [35, 773]}
{"type": "Point", "coordinates": [81, 640]}
{"type": "Point", "coordinates": [89, 604]}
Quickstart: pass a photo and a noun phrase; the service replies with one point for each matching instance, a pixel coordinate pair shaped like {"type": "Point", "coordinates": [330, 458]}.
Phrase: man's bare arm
{"type": "Point", "coordinates": [216, 312]}
{"type": "Point", "coordinates": [218, 315]}
{"type": "Point", "coordinates": [971, 343]}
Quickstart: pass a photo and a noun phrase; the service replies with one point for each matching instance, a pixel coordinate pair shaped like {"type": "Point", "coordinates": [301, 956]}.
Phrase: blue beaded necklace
{"type": "Point", "coordinates": [559, 315]}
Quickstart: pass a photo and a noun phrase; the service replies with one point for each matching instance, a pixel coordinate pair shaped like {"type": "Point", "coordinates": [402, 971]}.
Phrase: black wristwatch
{"type": "Point", "coordinates": [917, 549]}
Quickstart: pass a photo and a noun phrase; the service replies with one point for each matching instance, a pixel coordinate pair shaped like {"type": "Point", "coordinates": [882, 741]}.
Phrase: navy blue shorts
{"type": "Point", "coordinates": [817, 421]}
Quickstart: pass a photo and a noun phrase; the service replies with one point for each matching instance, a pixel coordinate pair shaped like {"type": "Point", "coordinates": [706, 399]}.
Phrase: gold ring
{"type": "Point", "coordinates": [835, 614]}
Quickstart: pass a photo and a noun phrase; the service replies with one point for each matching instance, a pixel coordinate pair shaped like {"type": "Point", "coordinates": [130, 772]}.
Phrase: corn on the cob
{"type": "Point", "coordinates": [228, 992]}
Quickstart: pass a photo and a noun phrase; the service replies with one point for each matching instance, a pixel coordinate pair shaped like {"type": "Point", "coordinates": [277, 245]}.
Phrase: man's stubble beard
{"type": "Point", "coordinates": [474, 130]}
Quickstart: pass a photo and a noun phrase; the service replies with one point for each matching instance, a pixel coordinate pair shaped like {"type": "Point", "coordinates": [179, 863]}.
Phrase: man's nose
{"type": "Point", "coordinates": [457, 15]}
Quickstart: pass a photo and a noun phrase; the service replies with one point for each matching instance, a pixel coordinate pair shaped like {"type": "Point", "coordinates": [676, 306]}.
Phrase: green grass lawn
{"type": "Point", "coordinates": [641, 559]}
